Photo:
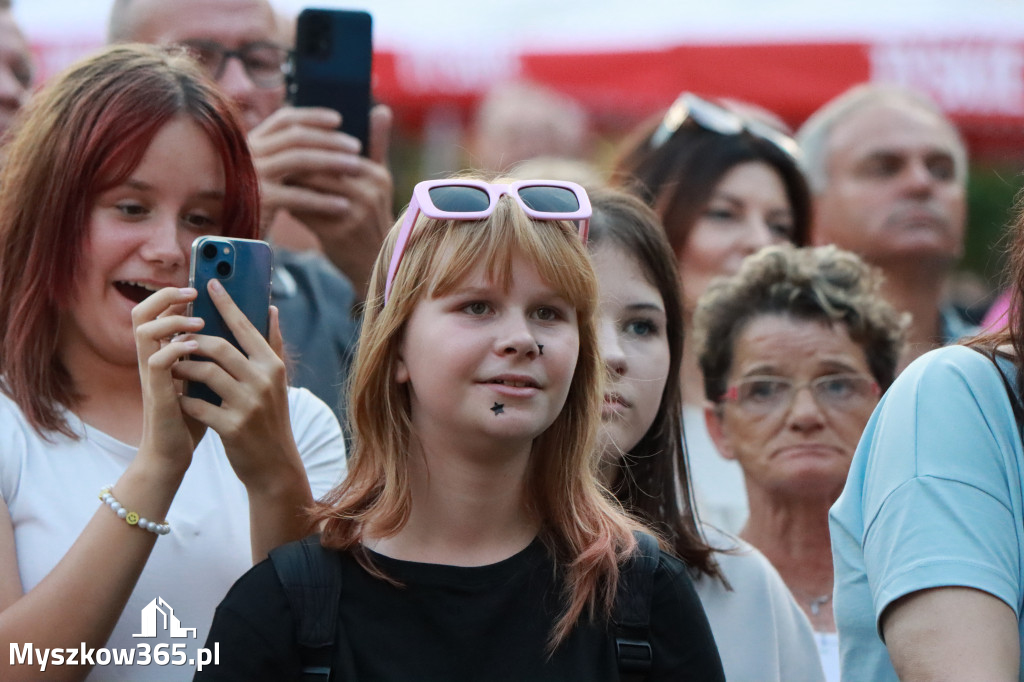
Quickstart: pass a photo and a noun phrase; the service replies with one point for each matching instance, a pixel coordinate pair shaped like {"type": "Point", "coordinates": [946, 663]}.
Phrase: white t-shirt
{"type": "Point", "coordinates": [52, 488]}
{"type": "Point", "coordinates": [828, 649]}
{"type": "Point", "coordinates": [762, 634]}
{"type": "Point", "coordinates": [718, 483]}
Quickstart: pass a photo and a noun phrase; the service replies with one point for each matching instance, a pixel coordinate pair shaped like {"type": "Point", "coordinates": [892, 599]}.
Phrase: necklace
{"type": "Point", "coordinates": [814, 603]}
{"type": "Point", "coordinates": [817, 602]}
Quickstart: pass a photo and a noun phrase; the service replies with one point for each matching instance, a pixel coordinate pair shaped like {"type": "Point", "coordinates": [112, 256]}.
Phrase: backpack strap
{"type": "Point", "coordinates": [311, 576]}
{"type": "Point", "coordinates": [631, 616]}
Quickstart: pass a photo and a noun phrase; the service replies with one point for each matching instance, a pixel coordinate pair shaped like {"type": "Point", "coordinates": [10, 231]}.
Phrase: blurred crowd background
{"type": "Point", "coordinates": [602, 67]}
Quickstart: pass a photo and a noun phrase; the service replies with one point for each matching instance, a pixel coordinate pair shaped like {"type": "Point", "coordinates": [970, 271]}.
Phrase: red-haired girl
{"type": "Point", "coordinates": [110, 174]}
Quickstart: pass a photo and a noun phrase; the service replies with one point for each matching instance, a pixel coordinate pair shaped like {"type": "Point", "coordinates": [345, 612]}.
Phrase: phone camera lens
{"type": "Point", "coordinates": [209, 251]}
{"type": "Point", "coordinates": [223, 268]}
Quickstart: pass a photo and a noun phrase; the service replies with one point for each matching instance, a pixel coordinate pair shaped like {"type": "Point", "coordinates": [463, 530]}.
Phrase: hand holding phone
{"type": "Point", "coordinates": [243, 267]}
{"type": "Point", "coordinates": [332, 66]}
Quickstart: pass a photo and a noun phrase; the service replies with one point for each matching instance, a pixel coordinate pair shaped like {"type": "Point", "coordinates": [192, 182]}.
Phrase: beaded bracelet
{"type": "Point", "coordinates": [132, 518]}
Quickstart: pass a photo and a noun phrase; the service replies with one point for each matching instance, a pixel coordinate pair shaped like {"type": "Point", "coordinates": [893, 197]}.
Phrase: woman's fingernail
{"type": "Point", "coordinates": [215, 285]}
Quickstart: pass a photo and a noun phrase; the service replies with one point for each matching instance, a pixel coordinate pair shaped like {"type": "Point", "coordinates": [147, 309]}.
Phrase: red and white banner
{"type": "Point", "coordinates": [624, 66]}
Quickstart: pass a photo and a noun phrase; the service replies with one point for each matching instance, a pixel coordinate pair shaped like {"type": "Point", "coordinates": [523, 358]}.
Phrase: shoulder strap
{"type": "Point", "coordinates": [632, 613]}
{"type": "Point", "coordinates": [311, 576]}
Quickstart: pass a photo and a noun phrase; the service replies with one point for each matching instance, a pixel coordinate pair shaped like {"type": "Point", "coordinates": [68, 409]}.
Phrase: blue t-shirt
{"type": "Point", "coordinates": [933, 499]}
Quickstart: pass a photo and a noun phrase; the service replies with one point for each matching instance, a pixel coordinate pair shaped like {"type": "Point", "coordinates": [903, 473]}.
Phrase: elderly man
{"type": "Point", "coordinates": [310, 173]}
{"type": "Point", "coordinates": [888, 171]}
{"type": "Point", "coordinates": [15, 67]}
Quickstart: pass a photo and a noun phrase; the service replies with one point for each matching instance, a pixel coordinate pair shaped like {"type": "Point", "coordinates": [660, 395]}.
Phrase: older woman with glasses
{"type": "Point", "coordinates": [795, 350]}
{"type": "Point", "coordinates": [724, 186]}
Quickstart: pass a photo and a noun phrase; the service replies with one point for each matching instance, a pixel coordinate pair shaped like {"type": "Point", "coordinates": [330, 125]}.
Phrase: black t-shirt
{"type": "Point", "coordinates": [450, 623]}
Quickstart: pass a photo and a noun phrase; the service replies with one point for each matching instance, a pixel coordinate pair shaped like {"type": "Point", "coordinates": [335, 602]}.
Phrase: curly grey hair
{"type": "Point", "coordinates": [824, 283]}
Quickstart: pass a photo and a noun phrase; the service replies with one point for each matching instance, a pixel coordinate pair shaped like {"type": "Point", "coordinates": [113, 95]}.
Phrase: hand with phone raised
{"type": "Point", "coordinates": [322, 162]}
{"type": "Point", "coordinates": [253, 418]}
{"type": "Point", "coordinates": [230, 355]}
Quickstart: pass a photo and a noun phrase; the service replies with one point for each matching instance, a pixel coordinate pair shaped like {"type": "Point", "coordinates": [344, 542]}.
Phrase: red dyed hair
{"type": "Point", "coordinates": [81, 135]}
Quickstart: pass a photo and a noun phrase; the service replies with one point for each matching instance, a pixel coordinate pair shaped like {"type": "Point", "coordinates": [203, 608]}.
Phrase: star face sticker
{"type": "Point", "coordinates": [540, 347]}
{"type": "Point", "coordinates": [498, 408]}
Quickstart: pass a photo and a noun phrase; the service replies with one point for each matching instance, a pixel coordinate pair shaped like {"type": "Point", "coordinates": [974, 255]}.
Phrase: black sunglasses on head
{"type": "Point", "coordinates": [717, 119]}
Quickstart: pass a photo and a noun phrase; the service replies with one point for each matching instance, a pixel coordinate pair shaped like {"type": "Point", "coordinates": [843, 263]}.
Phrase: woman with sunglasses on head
{"type": "Point", "coordinates": [796, 349]}
{"type": "Point", "coordinates": [99, 207]}
{"type": "Point", "coordinates": [472, 538]}
{"type": "Point", "coordinates": [760, 631]}
{"type": "Point", "coordinates": [724, 187]}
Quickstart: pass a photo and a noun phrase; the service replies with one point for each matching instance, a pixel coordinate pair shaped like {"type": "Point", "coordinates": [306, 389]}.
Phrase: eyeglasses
{"type": "Point", "coordinates": [717, 119]}
{"type": "Point", "coordinates": [264, 62]}
{"type": "Point", "coordinates": [475, 200]}
{"type": "Point", "coordinates": [764, 395]}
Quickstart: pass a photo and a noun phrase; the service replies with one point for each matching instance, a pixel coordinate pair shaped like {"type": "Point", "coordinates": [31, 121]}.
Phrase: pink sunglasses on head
{"type": "Point", "coordinates": [474, 200]}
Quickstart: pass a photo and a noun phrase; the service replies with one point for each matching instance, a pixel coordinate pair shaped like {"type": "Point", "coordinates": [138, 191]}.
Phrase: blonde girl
{"type": "Point", "coordinates": [475, 540]}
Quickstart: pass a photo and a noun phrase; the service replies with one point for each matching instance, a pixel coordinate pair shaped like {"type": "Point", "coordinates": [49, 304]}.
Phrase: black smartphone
{"type": "Point", "coordinates": [331, 66]}
{"type": "Point", "coordinates": [244, 267]}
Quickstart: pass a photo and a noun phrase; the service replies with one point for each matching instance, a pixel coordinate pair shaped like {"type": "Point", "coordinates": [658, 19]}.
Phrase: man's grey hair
{"type": "Point", "coordinates": [815, 134]}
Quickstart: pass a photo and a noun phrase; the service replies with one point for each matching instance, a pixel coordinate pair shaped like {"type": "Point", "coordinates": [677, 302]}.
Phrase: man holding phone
{"type": "Point", "coordinates": [311, 174]}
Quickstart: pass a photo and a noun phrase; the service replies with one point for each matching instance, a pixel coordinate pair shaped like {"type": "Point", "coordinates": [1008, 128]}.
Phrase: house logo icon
{"type": "Point", "coordinates": [158, 614]}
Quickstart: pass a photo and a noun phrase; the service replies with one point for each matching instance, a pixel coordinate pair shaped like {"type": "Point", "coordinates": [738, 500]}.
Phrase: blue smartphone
{"type": "Point", "coordinates": [332, 64]}
{"type": "Point", "coordinates": [244, 267]}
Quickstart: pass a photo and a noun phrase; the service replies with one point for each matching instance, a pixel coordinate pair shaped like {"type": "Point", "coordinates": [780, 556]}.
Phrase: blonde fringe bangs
{"type": "Point", "coordinates": [441, 253]}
